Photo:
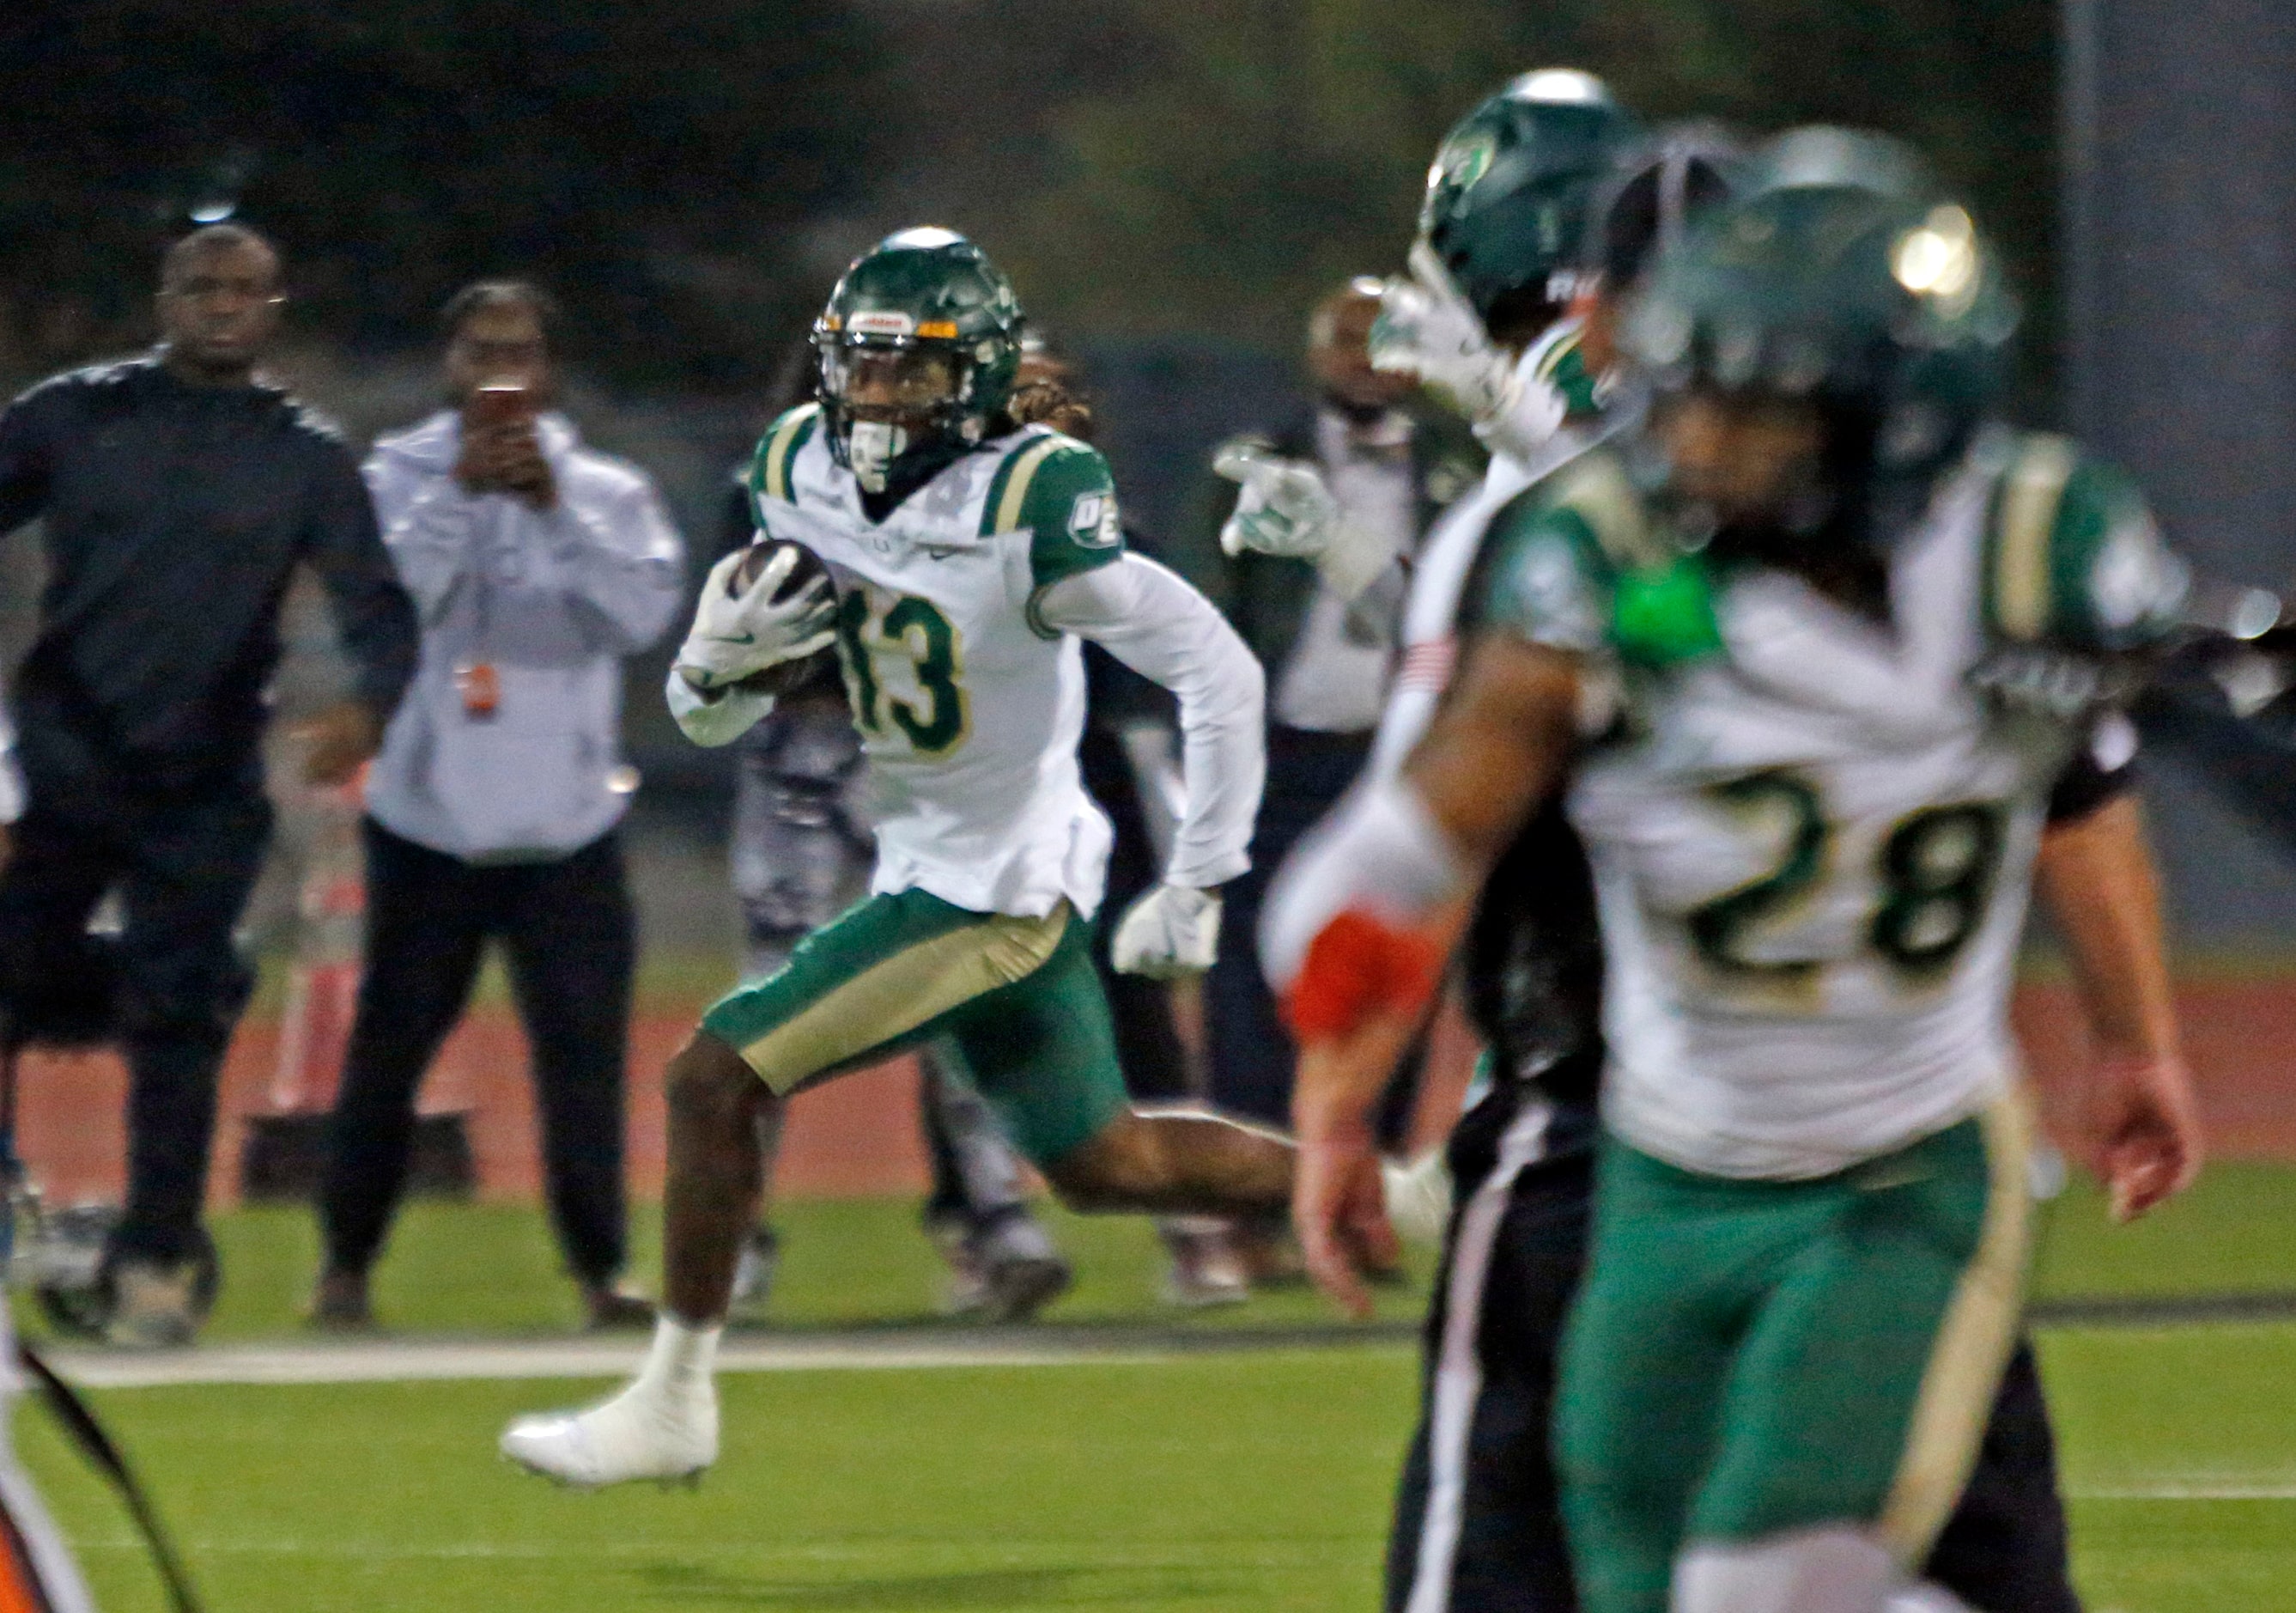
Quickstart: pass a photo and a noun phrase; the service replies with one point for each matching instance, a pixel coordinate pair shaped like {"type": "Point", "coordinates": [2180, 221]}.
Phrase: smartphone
{"type": "Point", "coordinates": [500, 403]}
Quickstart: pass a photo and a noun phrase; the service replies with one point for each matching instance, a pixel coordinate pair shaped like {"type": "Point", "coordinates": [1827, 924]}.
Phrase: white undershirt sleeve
{"type": "Point", "coordinates": [11, 776]}
{"type": "Point", "coordinates": [714, 722]}
{"type": "Point", "coordinates": [1165, 631]}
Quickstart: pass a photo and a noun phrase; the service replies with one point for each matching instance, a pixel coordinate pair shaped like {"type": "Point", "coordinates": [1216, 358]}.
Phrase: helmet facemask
{"type": "Point", "coordinates": [899, 408]}
{"type": "Point", "coordinates": [1753, 465]}
{"type": "Point", "coordinates": [1876, 308]}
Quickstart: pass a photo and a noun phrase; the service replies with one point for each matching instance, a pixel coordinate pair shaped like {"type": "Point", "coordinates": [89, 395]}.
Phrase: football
{"type": "Point", "coordinates": [760, 554]}
{"type": "Point", "coordinates": [817, 671]}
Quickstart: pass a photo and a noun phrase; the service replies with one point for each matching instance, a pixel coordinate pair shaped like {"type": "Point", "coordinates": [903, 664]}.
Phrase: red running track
{"type": "Point", "coordinates": [858, 1136]}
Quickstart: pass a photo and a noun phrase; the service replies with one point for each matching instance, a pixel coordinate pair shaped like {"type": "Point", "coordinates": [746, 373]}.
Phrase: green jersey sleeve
{"type": "Point", "coordinates": [1547, 585]}
{"type": "Point", "coordinates": [1564, 366]}
{"type": "Point", "coordinates": [1579, 568]}
{"type": "Point", "coordinates": [769, 467]}
{"type": "Point", "coordinates": [2074, 558]}
{"type": "Point", "coordinates": [1059, 491]}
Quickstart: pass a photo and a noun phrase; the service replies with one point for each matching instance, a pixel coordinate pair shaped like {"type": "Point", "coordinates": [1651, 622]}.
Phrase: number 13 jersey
{"type": "Point", "coordinates": [969, 709]}
{"type": "Point", "coordinates": [1813, 832]}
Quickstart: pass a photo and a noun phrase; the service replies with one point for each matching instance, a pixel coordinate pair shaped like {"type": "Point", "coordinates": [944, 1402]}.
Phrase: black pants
{"type": "Point", "coordinates": [183, 861]}
{"type": "Point", "coordinates": [568, 934]}
{"type": "Point", "coordinates": [1148, 1047]}
{"type": "Point", "coordinates": [1478, 1528]}
{"type": "Point", "coordinates": [1252, 1055]}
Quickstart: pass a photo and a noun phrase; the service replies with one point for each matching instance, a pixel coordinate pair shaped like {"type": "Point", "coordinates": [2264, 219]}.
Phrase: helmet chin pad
{"type": "Point", "coordinates": [871, 448]}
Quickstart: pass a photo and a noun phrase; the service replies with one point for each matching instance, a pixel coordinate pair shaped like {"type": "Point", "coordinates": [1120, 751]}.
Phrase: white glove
{"type": "Point", "coordinates": [1419, 1194]}
{"type": "Point", "coordinates": [1426, 327]}
{"type": "Point", "coordinates": [737, 636]}
{"type": "Point", "coordinates": [1284, 508]}
{"type": "Point", "coordinates": [1173, 930]}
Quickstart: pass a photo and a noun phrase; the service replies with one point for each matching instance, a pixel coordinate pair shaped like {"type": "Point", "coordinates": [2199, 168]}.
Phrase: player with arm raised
{"type": "Point", "coordinates": [966, 558]}
{"type": "Point", "coordinates": [1484, 322]}
{"type": "Point", "coordinates": [1808, 702]}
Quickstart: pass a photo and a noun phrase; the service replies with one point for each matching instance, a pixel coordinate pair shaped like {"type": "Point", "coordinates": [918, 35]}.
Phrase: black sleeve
{"type": "Point", "coordinates": [2247, 760]}
{"type": "Point", "coordinates": [24, 436]}
{"type": "Point", "coordinates": [342, 543]}
{"type": "Point", "coordinates": [737, 524]}
{"type": "Point", "coordinates": [2102, 770]}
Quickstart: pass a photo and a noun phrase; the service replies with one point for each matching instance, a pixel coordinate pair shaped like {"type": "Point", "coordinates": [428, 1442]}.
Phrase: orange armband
{"type": "Point", "coordinates": [1357, 966]}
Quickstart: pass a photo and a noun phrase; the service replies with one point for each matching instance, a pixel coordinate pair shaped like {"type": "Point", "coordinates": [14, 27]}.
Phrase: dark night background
{"type": "Point", "coordinates": [687, 172]}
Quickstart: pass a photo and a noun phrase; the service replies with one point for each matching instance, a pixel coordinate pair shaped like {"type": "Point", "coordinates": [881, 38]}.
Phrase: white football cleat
{"type": "Point", "coordinates": [647, 1431]}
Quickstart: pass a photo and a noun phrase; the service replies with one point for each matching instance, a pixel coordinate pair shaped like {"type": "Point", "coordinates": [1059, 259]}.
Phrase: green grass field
{"type": "Point", "coordinates": [491, 1269]}
{"type": "Point", "coordinates": [1237, 1481]}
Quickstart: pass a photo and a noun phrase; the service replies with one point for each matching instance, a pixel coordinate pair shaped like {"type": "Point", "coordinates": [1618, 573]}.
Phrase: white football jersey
{"type": "Point", "coordinates": [1813, 832]}
{"type": "Point", "coordinates": [1448, 556]}
{"type": "Point", "coordinates": [969, 709]}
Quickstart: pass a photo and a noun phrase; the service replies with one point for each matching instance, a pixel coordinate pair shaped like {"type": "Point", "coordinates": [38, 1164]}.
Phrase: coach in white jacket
{"type": "Point", "coordinates": [492, 811]}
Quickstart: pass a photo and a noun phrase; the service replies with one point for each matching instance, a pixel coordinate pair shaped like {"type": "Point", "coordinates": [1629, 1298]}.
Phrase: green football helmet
{"type": "Point", "coordinates": [1842, 274]}
{"type": "Point", "coordinates": [917, 349]}
{"type": "Point", "coordinates": [1657, 185]}
{"type": "Point", "coordinates": [1508, 196]}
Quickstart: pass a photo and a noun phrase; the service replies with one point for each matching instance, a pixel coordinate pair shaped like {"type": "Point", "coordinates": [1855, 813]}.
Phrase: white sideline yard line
{"type": "Point", "coordinates": [573, 1358]}
{"type": "Point", "coordinates": [2180, 1490]}
{"type": "Point", "coordinates": [429, 1361]}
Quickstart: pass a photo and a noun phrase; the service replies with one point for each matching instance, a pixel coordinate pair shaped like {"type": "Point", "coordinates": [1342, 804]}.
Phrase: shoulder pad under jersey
{"type": "Point", "coordinates": [2073, 558]}
{"type": "Point", "coordinates": [1560, 360]}
{"type": "Point", "coordinates": [1581, 566]}
{"type": "Point", "coordinates": [1060, 492]}
{"type": "Point", "coordinates": [770, 470]}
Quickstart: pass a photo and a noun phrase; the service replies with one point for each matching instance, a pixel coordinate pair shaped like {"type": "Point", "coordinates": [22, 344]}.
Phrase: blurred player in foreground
{"type": "Point", "coordinates": [37, 1569]}
{"type": "Point", "coordinates": [1478, 1525]}
{"type": "Point", "coordinates": [1810, 655]}
{"type": "Point", "coordinates": [965, 556]}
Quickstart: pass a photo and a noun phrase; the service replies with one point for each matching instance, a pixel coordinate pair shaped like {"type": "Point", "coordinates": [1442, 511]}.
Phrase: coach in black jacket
{"type": "Point", "coordinates": [177, 493]}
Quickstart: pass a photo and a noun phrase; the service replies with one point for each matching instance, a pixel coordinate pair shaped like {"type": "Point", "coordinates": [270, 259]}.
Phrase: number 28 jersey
{"type": "Point", "coordinates": [1813, 832]}
{"type": "Point", "coordinates": [969, 709]}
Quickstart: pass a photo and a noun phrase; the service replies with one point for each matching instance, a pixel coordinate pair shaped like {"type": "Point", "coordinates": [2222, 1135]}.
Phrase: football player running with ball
{"type": "Point", "coordinates": [966, 558]}
{"type": "Point", "coordinates": [1804, 657]}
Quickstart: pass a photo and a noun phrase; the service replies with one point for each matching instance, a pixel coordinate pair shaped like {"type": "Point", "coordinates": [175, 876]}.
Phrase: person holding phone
{"type": "Point", "coordinates": [538, 566]}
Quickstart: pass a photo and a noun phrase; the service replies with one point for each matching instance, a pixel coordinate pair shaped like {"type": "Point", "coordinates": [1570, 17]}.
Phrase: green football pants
{"type": "Point", "coordinates": [1014, 1001]}
{"type": "Point", "coordinates": [1753, 1357]}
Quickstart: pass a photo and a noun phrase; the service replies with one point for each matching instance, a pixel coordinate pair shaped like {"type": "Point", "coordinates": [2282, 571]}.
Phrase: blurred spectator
{"type": "Point", "coordinates": [178, 493]}
{"type": "Point", "coordinates": [1128, 755]}
{"type": "Point", "coordinates": [1328, 643]}
{"type": "Point", "coordinates": [493, 810]}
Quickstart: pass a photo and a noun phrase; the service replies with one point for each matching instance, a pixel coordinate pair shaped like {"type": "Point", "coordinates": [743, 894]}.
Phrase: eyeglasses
{"type": "Point", "coordinates": [212, 288]}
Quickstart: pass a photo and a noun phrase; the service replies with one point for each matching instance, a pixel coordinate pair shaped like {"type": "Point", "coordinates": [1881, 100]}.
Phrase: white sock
{"type": "Point", "coordinates": [1830, 1568]}
{"type": "Point", "coordinates": [682, 1357]}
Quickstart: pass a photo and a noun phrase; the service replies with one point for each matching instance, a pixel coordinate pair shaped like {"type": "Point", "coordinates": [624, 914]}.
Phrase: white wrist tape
{"type": "Point", "coordinates": [1380, 851]}
{"type": "Point", "coordinates": [1526, 412]}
